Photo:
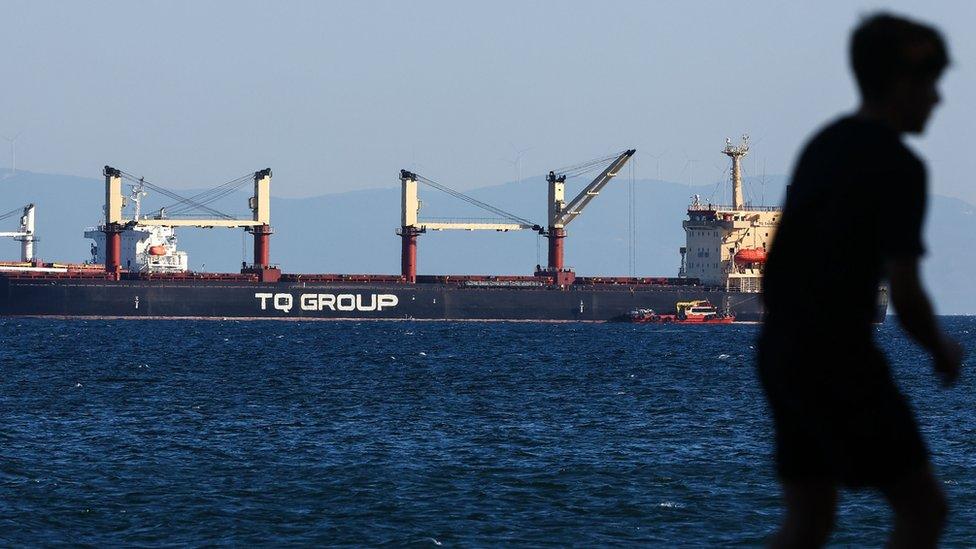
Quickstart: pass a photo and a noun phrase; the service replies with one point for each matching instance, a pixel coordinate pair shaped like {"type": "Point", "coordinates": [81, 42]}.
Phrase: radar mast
{"type": "Point", "coordinates": [736, 152]}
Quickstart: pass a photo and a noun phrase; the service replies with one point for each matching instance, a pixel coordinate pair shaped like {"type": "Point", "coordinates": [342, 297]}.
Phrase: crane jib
{"type": "Point", "coordinates": [572, 210]}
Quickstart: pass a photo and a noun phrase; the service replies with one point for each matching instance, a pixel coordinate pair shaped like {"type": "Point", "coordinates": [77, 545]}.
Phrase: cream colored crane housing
{"type": "Point", "coordinates": [25, 235]}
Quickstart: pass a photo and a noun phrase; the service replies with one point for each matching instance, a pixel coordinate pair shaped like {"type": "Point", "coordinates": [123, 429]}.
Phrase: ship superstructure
{"type": "Point", "coordinates": [726, 246]}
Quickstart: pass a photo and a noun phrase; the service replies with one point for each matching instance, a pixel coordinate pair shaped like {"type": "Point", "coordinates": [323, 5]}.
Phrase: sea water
{"type": "Point", "coordinates": [417, 433]}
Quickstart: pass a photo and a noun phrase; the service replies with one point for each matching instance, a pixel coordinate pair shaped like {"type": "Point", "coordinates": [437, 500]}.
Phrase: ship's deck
{"type": "Point", "coordinates": [45, 272]}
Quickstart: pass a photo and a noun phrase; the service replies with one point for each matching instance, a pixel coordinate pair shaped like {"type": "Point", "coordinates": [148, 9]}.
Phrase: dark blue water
{"type": "Point", "coordinates": [400, 433]}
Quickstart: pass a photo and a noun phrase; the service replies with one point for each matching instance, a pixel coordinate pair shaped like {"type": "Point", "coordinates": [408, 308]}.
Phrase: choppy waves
{"type": "Point", "coordinates": [426, 434]}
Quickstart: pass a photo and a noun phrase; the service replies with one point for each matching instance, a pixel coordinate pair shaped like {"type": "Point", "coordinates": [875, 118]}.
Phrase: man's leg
{"type": "Point", "coordinates": [810, 507]}
{"type": "Point", "coordinates": [920, 509]}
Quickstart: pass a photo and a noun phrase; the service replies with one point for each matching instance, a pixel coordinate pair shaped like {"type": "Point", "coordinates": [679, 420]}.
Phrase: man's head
{"type": "Point", "coordinates": [897, 63]}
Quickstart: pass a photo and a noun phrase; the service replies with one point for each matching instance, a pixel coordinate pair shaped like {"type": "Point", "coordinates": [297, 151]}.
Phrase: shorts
{"type": "Point", "coordinates": [838, 414]}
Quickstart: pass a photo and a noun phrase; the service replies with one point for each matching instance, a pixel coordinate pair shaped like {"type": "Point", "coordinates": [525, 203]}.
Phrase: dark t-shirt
{"type": "Point", "coordinates": [856, 200]}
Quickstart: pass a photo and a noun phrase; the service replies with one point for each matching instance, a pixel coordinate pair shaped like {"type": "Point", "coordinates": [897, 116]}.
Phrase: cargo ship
{"type": "Point", "coordinates": [137, 270]}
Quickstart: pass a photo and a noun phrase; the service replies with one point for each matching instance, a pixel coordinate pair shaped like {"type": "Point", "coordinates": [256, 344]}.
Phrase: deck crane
{"type": "Point", "coordinates": [562, 214]}
{"type": "Point", "coordinates": [259, 225]}
{"type": "Point", "coordinates": [411, 226]}
{"type": "Point", "coordinates": [26, 232]}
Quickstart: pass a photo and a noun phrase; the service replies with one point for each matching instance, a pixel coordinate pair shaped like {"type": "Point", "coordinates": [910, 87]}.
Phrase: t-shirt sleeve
{"type": "Point", "coordinates": [905, 212]}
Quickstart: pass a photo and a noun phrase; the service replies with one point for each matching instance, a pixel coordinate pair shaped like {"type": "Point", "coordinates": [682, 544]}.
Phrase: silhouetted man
{"type": "Point", "coordinates": [853, 217]}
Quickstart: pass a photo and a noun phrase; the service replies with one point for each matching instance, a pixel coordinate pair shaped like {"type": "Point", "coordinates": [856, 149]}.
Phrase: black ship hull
{"type": "Point", "coordinates": [96, 297]}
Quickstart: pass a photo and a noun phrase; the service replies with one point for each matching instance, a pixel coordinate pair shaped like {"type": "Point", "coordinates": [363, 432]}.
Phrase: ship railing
{"type": "Point", "coordinates": [636, 281]}
{"type": "Point", "coordinates": [465, 279]}
{"type": "Point", "coordinates": [332, 277]}
{"type": "Point", "coordinates": [503, 283]}
{"type": "Point", "coordinates": [725, 207]}
{"type": "Point", "coordinates": [188, 275]}
{"type": "Point", "coordinates": [59, 275]}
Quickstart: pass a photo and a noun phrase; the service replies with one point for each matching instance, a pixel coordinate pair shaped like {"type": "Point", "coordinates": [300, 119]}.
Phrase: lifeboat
{"type": "Point", "coordinates": [157, 250]}
{"type": "Point", "coordinates": [750, 255]}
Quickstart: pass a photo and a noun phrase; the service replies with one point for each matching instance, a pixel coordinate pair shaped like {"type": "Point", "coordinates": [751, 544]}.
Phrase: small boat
{"type": "Point", "coordinates": [686, 312]}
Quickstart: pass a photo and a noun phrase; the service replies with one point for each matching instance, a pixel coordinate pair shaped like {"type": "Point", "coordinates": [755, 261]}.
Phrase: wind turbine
{"type": "Point", "coordinates": [723, 175]}
{"type": "Point", "coordinates": [657, 161]}
{"type": "Point", "coordinates": [762, 182]}
{"type": "Point", "coordinates": [13, 153]}
{"type": "Point", "coordinates": [414, 165]}
{"type": "Point", "coordinates": [689, 162]}
{"type": "Point", "coordinates": [517, 163]}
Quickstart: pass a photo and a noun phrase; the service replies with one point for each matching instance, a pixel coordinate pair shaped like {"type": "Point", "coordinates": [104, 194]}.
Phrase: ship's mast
{"type": "Point", "coordinates": [736, 152]}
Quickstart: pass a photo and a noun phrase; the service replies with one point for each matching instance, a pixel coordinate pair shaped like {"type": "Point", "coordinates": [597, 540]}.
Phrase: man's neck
{"type": "Point", "coordinates": [879, 113]}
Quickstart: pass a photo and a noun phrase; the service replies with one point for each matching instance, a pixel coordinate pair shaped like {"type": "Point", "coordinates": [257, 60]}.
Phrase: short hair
{"type": "Point", "coordinates": [881, 52]}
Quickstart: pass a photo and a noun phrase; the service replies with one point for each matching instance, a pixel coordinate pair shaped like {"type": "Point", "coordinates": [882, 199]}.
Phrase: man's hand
{"type": "Point", "coordinates": [915, 314]}
{"type": "Point", "coordinates": [947, 360]}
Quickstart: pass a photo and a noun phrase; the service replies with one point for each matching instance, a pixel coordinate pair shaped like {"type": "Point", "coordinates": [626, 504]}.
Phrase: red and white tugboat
{"type": "Point", "coordinates": [686, 312]}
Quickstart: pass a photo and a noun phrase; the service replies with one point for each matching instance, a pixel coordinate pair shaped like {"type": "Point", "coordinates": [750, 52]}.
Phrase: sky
{"type": "Point", "coordinates": [339, 96]}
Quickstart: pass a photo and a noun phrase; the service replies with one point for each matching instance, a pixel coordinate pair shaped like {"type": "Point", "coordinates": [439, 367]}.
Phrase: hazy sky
{"type": "Point", "coordinates": [339, 96]}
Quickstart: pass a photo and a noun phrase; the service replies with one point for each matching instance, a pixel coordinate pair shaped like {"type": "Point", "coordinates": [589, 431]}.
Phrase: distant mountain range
{"type": "Point", "coordinates": [353, 232]}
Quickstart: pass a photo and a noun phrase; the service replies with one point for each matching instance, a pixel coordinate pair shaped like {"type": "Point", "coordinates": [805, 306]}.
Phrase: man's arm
{"type": "Point", "coordinates": [916, 317]}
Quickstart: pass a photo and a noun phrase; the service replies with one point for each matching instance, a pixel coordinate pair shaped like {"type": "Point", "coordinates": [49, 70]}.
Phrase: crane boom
{"type": "Point", "coordinates": [561, 214]}
{"type": "Point", "coordinates": [198, 223]}
{"type": "Point", "coordinates": [572, 210]}
{"type": "Point", "coordinates": [474, 226]}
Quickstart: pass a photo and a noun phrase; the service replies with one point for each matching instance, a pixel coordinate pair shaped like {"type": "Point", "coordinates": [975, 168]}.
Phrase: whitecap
{"type": "Point", "coordinates": [723, 356]}
{"type": "Point", "coordinates": [671, 505]}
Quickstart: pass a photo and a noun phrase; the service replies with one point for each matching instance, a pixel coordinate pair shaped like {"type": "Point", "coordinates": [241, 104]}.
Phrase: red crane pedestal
{"type": "Point", "coordinates": [262, 245]}
{"type": "Point", "coordinates": [113, 249]}
{"type": "Point", "coordinates": [408, 253]}
{"type": "Point", "coordinates": [556, 236]}
{"type": "Point", "coordinates": [262, 253]}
